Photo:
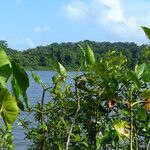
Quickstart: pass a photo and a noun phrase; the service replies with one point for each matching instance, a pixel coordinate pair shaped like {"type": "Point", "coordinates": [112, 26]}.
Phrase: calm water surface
{"type": "Point", "coordinates": [34, 94]}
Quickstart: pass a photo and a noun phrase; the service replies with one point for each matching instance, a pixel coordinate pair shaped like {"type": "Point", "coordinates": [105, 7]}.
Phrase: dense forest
{"type": "Point", "coordinates": [69, 54]}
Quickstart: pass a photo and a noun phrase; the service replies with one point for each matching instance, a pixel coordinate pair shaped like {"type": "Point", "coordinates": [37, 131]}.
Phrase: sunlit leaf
{"type": "Point", "coordinates": [89, 56]}
{"type": "Point", "coordinates": [8, 108]}
{"type": "Point", "coordinates": [139, 70]}
{"type": "Point", "coordinates": [61, 69]}
{"type": "Point", "coordinates": [5, 68]}
{"type": "Point", "coordinates": [122, 128]}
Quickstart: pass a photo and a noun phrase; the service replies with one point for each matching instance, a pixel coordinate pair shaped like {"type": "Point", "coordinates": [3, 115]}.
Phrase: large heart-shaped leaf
{"type": "Point", "coordinates": [8, 108]}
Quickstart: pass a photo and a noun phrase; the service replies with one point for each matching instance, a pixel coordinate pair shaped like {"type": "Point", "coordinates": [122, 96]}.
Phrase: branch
{"type": "Point", "coordinates": [73, 122]}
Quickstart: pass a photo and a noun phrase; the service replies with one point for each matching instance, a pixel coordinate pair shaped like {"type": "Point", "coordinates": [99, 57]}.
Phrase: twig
{"type": "Point", "coordinates": [73, 122]}
{"type": "Point", "coordinates": [42, 146]}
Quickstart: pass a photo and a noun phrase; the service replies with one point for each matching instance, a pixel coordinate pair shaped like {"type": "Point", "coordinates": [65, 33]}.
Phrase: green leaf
{"type": "Point", "coordinates": [89, 56]}
{"type": "Point", "coordinates": [22, 80]}
{"type": "Point", "coordinates": [139, 70]}
{"type": "Point", "coordinates": [8, 108]}
{"type": "Point", "coordinates": [132, 76]}
{"type": "Point", "coordinates": [122, 129]}
{"type": "Point", "coordinates": [142, 114]}
{"type": "Point", "coordinates": [4, 60]}
{"type": "Point", "coordinates": [146, 94]}
{"type": "Point", "coordinates": [62, 70]}
{"type": "Point", "coordinates": [147, 31]}
{"type": "Point", "coordinates": [146, 73]}
{"type": "Point", "coordinates": [16, 93]}
{"type": "Point", "coordinates": [37, 79]}
{"type": "Point", "coordinates": [5, 68]}
{"type": "Point", "coordinates": [20, 76]}
{"type": "Point", "coordinates": [5, 73]}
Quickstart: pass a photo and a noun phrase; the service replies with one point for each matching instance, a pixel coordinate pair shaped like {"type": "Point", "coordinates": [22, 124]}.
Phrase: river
{"type": "Point", "coordinates": [34, 93]}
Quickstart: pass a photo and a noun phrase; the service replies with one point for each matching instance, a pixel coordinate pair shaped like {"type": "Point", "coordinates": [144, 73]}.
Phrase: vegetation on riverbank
{"type": "Point", "coordinates": [69, 54]}
{"type": "Point", "coordinates": [106, 106]}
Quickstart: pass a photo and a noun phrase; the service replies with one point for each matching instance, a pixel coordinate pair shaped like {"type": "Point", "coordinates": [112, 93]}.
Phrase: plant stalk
{"type": "Point", "coordinates": [72, 125]}
{"type": "Point", "coordinates": [42, 145]}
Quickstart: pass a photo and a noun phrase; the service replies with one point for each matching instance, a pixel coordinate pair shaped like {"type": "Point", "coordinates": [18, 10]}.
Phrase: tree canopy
{"type": "Point", "coordinates": [69, 54]}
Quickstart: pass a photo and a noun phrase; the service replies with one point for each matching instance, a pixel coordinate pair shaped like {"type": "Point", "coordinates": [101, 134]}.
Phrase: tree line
{"type": "Point", "coordinates": [69, 54]}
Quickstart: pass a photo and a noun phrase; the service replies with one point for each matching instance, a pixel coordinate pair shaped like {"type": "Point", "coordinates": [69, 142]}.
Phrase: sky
{"type": "Point", "coordinates": [29, 23]}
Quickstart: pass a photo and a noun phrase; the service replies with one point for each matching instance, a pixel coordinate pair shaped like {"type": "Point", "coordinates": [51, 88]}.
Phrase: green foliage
{"type": "Point", "coordinates": [9, 103]}
{"type": "Point", "coordinates": [101, 108]}
{"type": "Point", "coordinates": [70, 55]}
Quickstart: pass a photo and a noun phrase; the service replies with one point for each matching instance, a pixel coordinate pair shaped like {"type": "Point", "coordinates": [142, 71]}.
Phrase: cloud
{"type": "Point", "coordinates": [115, 19]}
{"type": "Point", "coordinates": [76, 10]}
{"type": "Point", "coordinates": [22, 42]}
{"type": "Point", "coordinates": [112, 11]}
{"type": "Point", "coordinates": [42, 29]}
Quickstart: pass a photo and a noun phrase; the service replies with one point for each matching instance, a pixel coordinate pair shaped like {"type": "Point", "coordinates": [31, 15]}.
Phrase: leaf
{"type": "Point", "coordinates": [22, 80]}
{"type": "Point", "coordinates": [146, 73]}
{"type": "Point", "coordinates": [4, 60]}
{"type": "Point", "coordinates": [89, 56]}
{"type": "Point", "coordinates": [122, 129]}
{"type": "Point", "coordinates": [132, 76]}
{"type": "Point", "coordinates": [142, 114]}
{"type": "Point", "coordinates": [20, 76]}
{"type": "Point", "coordinates": [139, 70]}
{"type": "Point", "coordinates": [8, 108]}
{"type": "Point", "coordinates": [146, 94]}
{"type": "Point", "coordinates": [37, 79]}
{"type": "Point", "coordinates": [16, 93]}
{"type": "Point", "coordinates": [5, 73]}
{"type": "Point", "coordinates": [62, 70]}
{"type": "Point", "coordinates": [5, 68]}
{"type": "Point", "coordinates": [147, 31]}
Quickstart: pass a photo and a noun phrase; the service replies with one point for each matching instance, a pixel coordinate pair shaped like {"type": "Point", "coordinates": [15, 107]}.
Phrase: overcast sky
{"type": "Point", "coordinates": [29, 23]}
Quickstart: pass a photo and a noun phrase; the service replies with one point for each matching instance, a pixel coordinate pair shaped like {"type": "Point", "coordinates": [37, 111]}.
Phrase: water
{"type": "Point", "coordinates": [34, 94]}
